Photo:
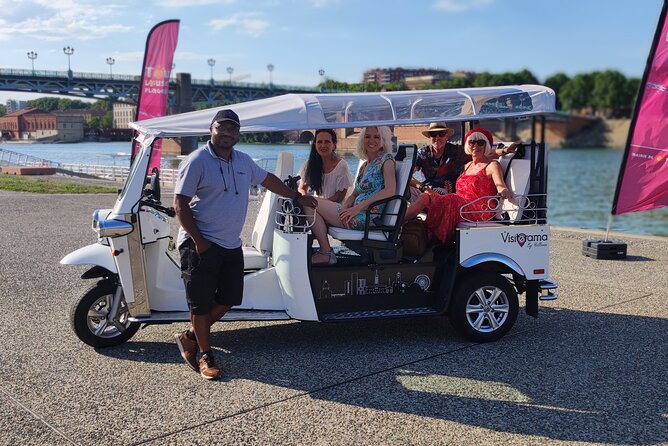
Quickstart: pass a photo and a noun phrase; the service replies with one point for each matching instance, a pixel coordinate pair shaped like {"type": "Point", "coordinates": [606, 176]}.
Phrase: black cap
{"type": "Point", "coordinates": [225, 115]}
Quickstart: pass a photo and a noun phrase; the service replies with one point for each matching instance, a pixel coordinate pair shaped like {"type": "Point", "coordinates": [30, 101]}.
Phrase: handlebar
{"type": "Point", "coordinates": [165, 210]}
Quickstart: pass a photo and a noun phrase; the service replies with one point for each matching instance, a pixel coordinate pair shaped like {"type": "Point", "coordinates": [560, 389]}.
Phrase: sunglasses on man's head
{"type": "Point", "coordinates": [477, 142]}
{"type": "Point", "coordinates": [440, 134]}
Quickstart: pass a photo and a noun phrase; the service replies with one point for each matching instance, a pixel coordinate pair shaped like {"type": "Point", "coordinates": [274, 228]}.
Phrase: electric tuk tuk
{"type": "Point", "coordinates": [475, 281]}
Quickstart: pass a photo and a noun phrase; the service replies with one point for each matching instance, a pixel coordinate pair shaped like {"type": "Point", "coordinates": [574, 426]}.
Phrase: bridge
{"type": "Point", "coordinates": [125, 87]}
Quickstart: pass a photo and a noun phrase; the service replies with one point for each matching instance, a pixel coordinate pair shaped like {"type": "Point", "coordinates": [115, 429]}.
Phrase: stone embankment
{"type": "Point", "coordinates": [568, 131]}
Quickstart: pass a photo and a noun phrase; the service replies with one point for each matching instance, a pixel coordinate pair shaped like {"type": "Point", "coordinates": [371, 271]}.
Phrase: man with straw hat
{"type": "Point", "coordinates": [440, 163]}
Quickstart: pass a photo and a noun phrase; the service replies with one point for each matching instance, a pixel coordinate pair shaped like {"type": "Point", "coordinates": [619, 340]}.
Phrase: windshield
{"type": "Point", "coordinates": [133, 171]}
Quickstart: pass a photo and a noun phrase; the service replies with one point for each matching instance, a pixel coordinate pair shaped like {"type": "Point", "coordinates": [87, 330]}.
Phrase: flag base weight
{"type": "Point", "coordinates": [604, 249]}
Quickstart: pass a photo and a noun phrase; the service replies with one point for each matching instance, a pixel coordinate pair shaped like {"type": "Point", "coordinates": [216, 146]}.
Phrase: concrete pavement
{"type": "Point", "coordinates": [592, 369]}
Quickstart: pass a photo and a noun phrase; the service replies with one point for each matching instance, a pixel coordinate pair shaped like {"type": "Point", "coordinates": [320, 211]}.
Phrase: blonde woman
{"type": "Point", "coordinates": [375, 181]}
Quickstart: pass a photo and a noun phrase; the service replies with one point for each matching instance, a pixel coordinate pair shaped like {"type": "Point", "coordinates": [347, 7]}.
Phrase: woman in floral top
{"type": "Point", "coordinates": [375, 181]}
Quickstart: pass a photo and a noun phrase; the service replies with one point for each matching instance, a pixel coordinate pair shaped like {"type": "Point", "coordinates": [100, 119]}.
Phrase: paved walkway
{"type": "Point", "coordinates": [592, 369]}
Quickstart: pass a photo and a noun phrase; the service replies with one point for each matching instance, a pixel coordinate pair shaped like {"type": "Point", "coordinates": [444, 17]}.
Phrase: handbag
{"type": "Point", "coordinates": [414, 237]}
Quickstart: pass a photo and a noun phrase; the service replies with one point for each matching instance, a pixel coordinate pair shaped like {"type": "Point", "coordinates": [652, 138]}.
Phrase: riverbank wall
{"type": "Point", "coordinates": [563, 130]}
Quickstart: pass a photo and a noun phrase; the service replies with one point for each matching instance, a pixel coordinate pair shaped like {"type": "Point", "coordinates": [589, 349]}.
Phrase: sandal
{"type": "Point", "coordinates": [323, 258]}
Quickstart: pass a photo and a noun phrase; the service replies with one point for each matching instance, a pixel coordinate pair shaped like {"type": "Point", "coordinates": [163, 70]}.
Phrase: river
{"type": "Point", "coordinates": [581, 181]}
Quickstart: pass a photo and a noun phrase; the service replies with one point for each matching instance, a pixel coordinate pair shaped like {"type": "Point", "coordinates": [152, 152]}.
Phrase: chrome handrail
{"type": "Point", "coordinates": [526, 209]}
{"type": "Point", "coordinates": [290, 221]}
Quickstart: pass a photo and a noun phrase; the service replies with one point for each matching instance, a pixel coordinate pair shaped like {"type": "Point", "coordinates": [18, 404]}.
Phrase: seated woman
{"type": "Point", "coordinates": [482, 177]}
{"type": "Point", "coordinates": [375, 181]}
{"type": "Point", "coordinates": [325, 174]}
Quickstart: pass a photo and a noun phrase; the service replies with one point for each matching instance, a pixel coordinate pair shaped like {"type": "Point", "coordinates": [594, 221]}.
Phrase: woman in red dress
{"type": "Point", "coordinates": [482, 177]}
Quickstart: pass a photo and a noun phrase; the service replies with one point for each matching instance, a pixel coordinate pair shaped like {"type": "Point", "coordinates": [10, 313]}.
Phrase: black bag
{"type": "Point", "coordinates": [414, 238]}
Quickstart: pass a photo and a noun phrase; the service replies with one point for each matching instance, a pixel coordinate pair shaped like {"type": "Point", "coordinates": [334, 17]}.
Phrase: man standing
{"type": "Point", "coordinates": [211, 202]}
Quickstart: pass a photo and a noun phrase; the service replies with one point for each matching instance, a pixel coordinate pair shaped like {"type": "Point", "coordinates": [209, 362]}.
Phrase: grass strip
{"type": "Point", "coordinates": [40, 186]}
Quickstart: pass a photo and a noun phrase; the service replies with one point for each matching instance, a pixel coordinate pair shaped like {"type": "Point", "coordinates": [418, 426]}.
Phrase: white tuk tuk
{"type": "Point", "coordinates": [475, 281]}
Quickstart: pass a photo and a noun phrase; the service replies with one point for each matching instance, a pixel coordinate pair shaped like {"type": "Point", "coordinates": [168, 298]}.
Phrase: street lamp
{"type": "Point", "coordinates": [270, 68]}
{"type": "Point", "coordinates": [230, 70]}
{"type": "Point", "coordinates": [111, 61]}
{"type": "Point", "coordinates": [32, 56]}
{"type": "Point", "coordinates": [69, 51]}
{"type": "Point", "coordinates": [321, 72]}
{"type": "Point", "coordinates": [211, 63]}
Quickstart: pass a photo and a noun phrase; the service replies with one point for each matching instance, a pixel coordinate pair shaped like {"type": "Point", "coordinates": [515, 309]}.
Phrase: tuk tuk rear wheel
{"type": "Point", "coordinates": [484, 307]}
{"type": "Point", "coordinates": [88, 317]}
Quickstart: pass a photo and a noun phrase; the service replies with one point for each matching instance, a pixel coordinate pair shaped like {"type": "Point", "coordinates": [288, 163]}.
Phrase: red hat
{"type": "Point", "coordinates": [488, 135]}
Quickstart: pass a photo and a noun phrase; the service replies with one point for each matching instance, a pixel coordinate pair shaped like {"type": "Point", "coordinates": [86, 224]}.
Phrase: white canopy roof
{"type": "Point", "coordinates": [336, 110]}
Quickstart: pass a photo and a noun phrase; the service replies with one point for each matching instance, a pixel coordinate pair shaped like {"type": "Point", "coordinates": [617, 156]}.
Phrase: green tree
{"type": "Point", "coordinates": [47, 104]}
{"type": "Point", "coordinates": [69, 104]}
{"type": "Point", "coordinates": [576, 94]}
{"type": "Point", "coordinates": [484, 79]}
{"type": "Point", "coordinates": [609, 95]}
{"type": "Point", "coordinates": [3, 110]}
{"type": "Point", "coordinates": [632, 90]}
{"type": "Point", "coordinates": [557, 82]}
{"type": "Point", "coordinates": [102, 104]}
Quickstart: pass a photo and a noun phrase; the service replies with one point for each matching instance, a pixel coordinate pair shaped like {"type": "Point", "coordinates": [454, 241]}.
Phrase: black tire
{"type": "Point", "coordinates": [483, 321]}
{"type": "Point", "coordinates": [89, 311]}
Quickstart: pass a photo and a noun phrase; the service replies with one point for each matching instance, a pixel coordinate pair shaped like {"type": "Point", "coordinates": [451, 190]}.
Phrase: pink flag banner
{"type": "Point", "coordinates": [643, 178]}
{"type": "Point", "coordinates": [154, 89]}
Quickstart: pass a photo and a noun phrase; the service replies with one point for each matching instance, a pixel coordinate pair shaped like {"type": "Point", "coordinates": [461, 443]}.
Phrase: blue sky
{"type": "Point", "coordinates": [343, 37]}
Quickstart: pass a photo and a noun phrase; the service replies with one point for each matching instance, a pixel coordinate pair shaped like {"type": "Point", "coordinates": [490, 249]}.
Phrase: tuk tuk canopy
{"type": "Point", "coordinates": [338, 110]}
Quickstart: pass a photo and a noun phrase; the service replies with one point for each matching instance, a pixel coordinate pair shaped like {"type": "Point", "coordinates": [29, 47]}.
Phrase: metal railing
{"type": "Point", "coordinates": [9, 157]}
{"type": "Point", "coordinates": [168, 176]}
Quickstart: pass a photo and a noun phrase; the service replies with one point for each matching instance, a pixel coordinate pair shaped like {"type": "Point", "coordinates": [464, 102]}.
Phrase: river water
{"type": "Point", "coordinates": [581, 181]}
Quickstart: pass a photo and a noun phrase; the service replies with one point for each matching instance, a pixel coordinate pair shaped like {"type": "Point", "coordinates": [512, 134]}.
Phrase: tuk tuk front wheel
{"type": "Point", "coordinates": [484, 307]}
{"type": "Point", "coordinates": [88, 317]}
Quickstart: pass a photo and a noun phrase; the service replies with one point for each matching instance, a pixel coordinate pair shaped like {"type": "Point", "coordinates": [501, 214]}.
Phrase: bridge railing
{"type": "Point", "coordinates": [132, 78]}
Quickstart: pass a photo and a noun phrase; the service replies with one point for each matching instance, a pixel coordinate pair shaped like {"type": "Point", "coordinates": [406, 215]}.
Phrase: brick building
{"type": "Point", "coordinates": [35, 124]}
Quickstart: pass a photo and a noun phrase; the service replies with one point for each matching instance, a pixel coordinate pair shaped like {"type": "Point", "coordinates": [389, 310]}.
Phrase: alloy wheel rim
{"type": "Point", "coordinates": [487, 309]}
{"type": "Point", "coordinates": [97, 318]}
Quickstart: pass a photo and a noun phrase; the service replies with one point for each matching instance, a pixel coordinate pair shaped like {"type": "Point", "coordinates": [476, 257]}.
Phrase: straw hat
{"type": "Point", "coordinates": [438, 127]}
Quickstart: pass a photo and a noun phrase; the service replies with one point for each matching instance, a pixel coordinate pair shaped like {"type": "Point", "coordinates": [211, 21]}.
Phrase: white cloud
{"type": "Point", "coordinates": [461, 5]}
{"type": "Point", "coordinates": [319, 3]}
{"type": "Point", "coordinates": [189, 3]}
{"type": "Point", "coordinates": [249, 23]}
{"type": "Point", "coordinates": [57, 20]}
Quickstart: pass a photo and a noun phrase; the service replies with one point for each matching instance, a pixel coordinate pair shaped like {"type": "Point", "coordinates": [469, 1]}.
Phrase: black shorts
{"type": "Point", "coordinates": [215, 276]}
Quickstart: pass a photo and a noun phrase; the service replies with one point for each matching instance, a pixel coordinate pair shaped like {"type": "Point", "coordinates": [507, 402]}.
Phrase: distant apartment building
{"type": "Point", "coordinates": [12, 105]}
{"type": "Point", "coordinates": [390, 75]}
{"type": "Point", "coordinates": [33, 124]}
{"type": "Point", "coordinates": [413, 77]}
{"type": "Point", "coordinates": [124, 113]}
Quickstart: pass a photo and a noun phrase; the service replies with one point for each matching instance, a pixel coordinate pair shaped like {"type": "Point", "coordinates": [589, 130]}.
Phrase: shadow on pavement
{"type": "Point", "coordinates": [585, 376]}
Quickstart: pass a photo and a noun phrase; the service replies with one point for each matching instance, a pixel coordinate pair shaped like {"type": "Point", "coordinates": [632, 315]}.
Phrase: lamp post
{"type": "Point", "coordinates": [69, 51]}
{"type": "Point", "coordinates": [321, 72]}
{"type": "Point", "coordinates": [32, 56]}
{"type": "Point", "coordinates": [270, 68]}
{"type": "Point", "coordinates": [211, 63]}
{"type": "Point", "coordinates": [111, 61]}
{"type": "Point", "coordinates": [230, 70]}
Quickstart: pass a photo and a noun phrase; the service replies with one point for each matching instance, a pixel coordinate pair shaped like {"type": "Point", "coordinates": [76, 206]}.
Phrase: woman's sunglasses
{"type": "Point", "coordinates": [477, 142]}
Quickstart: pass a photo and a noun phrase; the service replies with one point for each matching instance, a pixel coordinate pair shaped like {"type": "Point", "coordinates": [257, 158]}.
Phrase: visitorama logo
{"type": "Point", "coordinates": [531, 240]}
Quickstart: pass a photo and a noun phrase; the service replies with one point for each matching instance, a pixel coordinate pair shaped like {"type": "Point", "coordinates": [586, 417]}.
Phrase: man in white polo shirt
{"type": "Point", "coordinates": [211, 202]}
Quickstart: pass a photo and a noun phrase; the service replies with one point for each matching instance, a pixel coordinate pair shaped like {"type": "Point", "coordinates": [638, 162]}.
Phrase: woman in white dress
{"type": "Point", "coordinates": [325, 174]}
